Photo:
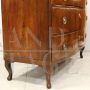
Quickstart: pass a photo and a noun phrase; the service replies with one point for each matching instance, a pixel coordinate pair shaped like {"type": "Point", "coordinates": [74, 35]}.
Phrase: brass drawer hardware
{"type": "Point", "coordinates": [65, 20]}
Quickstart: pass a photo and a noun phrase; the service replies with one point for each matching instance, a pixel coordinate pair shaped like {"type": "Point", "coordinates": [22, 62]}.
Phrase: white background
{"type": "Point", "coordinates": [87, 25]}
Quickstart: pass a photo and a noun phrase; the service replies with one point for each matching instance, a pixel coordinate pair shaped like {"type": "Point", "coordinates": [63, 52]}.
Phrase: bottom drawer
{"type": "Point", "coordinates": [64, 45]}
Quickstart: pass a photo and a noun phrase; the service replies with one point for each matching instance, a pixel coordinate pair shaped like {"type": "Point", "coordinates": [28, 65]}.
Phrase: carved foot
{"type": "Point", "coordinates": [48, 80]}
{"type": "Point", "coordinates": [9, 69]}
{"type": "Point", "coordinates": [48, 76]}
{"type": "Point", "coordinates": [81, 52]}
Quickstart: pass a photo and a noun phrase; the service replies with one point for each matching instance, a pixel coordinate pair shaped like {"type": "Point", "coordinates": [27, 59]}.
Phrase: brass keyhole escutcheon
{"type": "Point", "coordinates": [65, 20]}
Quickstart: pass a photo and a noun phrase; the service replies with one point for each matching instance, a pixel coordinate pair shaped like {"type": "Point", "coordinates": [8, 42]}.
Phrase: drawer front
{"type": "Point", "coordinates": [67, 19]}
{"type": "Point", "coordinates": [64, 45]}
{"type": "Point", "coordinates": [79, 3]}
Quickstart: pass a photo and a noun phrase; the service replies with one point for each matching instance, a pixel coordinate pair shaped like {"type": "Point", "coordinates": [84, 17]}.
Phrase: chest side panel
{"type": "Point", "coordinates": [25, 27]}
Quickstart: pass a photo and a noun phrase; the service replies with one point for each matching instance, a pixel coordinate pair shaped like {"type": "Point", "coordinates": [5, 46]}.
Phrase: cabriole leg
{"type": "Point", "coordinates": [48, 79]}
{"type": "Point", "coordinates": [81, 52]}
{"type": "Point", "coordinates": [9, 69]}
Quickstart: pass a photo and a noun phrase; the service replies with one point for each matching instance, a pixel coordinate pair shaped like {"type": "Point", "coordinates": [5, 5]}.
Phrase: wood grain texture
{"type": "Point", "coordinates": [74, 18]}
{"type": "Point", "coordinates": [42, 32]}
{"type": "Point", "coordinates": [64, 45]}
{"type": "Point", "coordinates": [78, 3]}
{"type": "Point", "coordinates": [25, 28]}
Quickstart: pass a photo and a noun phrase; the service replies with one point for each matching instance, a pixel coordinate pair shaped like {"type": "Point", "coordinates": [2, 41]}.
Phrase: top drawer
{"type": "Point", "coordinates": [79, 3]}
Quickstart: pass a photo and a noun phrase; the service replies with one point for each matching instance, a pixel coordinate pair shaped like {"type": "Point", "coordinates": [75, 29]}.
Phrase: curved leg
{"type": "Point", "coordinates": [48, 79]}
{"type": "Point", "coordinates": [9, 69]}
{"type": "Point", "coordinates": [48, 72]}
{"type": "Point", "coordinates": [81, 52]}
{"type": "Point", "coordinates": [48, 68]}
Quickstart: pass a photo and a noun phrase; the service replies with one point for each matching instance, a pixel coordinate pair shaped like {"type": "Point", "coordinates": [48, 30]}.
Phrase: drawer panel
{"type": "Point", "coordinates": [67, 19]}
{"type": "Point", "coordinates": [64, 45]}
{"type": "Point", "coordinates": [79, 3]}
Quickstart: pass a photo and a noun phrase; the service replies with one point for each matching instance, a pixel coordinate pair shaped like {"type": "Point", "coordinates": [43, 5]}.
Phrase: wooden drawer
{"type": "Point", "coordinates": [64, 45]}
{"type": "Point", "coordinates": [67, 19]}
{"type": "Point", "coordinates": [79, 3]}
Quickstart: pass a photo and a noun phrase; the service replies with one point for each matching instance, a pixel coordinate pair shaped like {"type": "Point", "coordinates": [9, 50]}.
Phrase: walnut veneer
{"type": "Point", "coordinates": [42, 32]}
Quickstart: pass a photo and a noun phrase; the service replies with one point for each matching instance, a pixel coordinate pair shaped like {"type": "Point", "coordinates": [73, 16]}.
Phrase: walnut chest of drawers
{"type": "Point", "coordinates": [42, 32]}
